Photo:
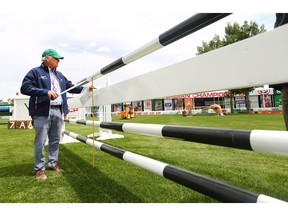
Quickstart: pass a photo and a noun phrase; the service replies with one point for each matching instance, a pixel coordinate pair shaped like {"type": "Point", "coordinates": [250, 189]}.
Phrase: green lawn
{"type": "Point", "coordinates": [108, 179]}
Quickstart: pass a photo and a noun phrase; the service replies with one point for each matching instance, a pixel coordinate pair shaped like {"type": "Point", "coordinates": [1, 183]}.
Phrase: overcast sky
{"type": "Point", "coordinates": [91, 36]}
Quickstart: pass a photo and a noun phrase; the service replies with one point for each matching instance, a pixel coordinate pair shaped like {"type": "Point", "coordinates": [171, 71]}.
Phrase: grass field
{"type": "Point", "coordinates": [110, 180]}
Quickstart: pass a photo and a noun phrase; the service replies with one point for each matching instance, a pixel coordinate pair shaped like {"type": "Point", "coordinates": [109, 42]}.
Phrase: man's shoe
{"type": "Point", "coordinates": [56, 168]}
{"type": "Point", "coordinates": [40, 175]}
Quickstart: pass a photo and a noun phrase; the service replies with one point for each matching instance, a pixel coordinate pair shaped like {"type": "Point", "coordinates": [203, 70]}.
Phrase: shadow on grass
{"type": "Point", "coordinates": [17, 170]}
{"type": "Point", "coordinates": [90, 184]}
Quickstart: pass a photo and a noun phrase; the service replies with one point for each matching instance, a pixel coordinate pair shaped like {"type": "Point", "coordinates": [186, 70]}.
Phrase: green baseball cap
{"type": "Point", "coordinates": [53, 53]}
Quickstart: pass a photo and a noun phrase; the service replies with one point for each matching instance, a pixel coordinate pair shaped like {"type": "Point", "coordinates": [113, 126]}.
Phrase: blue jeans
{"type": "Point", "coordinates": [51, 127]}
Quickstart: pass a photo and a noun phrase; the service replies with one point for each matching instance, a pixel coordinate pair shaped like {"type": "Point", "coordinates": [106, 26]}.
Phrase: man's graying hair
{"type": "Point", "coordinates": [43, 58]}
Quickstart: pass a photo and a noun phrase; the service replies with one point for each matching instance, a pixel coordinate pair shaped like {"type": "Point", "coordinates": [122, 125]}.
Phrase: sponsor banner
{"type": "Point", "coordinates": [227, 103]}
{"type": "Point", "coordinates": [210, 94]}
{"type": "Point", "coordinates": [262, 91]}
{"type": "Point", "coordinates": [179, 104]}
{"type": "Point", "coordinates": [240, 102]}
{"type": "Point", "coordinates": [188, 104]}
{"type": "Point", "coordinates": [117, 107]}
{"type": "Point", "coordinates": [137, 105]}
{"type": "Point", "coordinates": [158, 106]}
{"type": "Point", "coordinates": [168, 104]}
{"type": "Point", "coordinates": [151, 113]}
{"type": "Point", "coordinates": [254, 102]}
{"type": "Point", "coordinates": [147, 105]}
{"type": "Point", "coordinates": [277, 100]}
{"type": "Point", "coordinates": [265, 101]}
{"type": "Point", "coordinates": [179, 96]}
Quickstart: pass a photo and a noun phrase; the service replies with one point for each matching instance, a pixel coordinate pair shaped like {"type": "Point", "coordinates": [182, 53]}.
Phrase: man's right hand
{"type": "Point", "coordinates": [52, 95]}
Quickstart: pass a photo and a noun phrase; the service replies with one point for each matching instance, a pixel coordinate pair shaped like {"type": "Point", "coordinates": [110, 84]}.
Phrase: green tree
{"type": "Point", "coordinates": [233, 33]}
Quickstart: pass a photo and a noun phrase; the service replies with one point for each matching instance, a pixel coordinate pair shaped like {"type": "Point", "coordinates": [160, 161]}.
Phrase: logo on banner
{"type": "Point", "coordinates": [264, 91]}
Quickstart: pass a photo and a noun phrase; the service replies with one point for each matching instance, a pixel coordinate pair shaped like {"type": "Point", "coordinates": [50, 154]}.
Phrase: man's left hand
{"type": "Point", "coordinates": [91, 88]}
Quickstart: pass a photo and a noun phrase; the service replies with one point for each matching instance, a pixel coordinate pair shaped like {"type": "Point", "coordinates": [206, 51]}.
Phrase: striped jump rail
{"type": "Point", "coordinates": [204, 185]}
{"type": "Point", "coordinates": [177, 32]}
{"type": "Point", "coordinates": [268, 141]}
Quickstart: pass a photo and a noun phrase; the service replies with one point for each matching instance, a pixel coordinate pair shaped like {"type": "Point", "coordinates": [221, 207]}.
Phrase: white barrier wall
{"type": "Point", "coordinates": [20, 111]}
{"type": "Point", "coordinates": [256, 61]}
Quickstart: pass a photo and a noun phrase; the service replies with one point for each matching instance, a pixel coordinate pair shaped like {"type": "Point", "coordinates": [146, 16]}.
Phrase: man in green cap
{"type": "Point", "coordinates": [48, 108]}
